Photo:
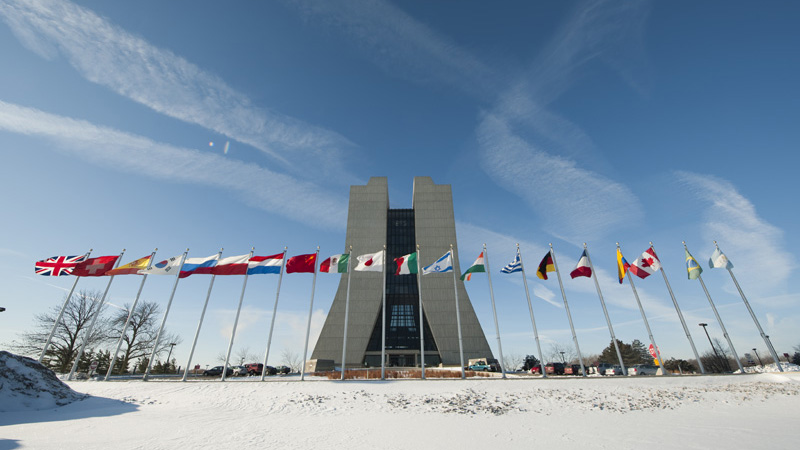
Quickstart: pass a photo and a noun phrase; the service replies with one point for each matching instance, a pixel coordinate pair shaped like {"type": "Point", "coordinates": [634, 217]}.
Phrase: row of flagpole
{"type": "Point", "coordinates": [642, 267]}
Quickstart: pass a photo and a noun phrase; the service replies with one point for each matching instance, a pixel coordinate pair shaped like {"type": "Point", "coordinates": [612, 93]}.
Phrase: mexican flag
{"type": "Point", "coordinates": [477, 266]}
{"type": "Point", "coordinates": [407, 264]}
{"type": "Point", "coordinates": [335, 264]}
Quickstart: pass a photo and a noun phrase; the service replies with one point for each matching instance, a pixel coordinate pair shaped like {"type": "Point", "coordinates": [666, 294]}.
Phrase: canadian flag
{"type": "Point", "coordinates": [645, 265]}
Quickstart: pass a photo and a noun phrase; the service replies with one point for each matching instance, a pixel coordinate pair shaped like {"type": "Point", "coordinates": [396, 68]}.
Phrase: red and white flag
{"type": "Point", "coordinates": [371, 262]}
{"type": "Point", "coordinates": [95, 267]}
{"type": "Point", "coordinates": [645, 265]}
{"type": "Point", "coordinates": [582, 269]}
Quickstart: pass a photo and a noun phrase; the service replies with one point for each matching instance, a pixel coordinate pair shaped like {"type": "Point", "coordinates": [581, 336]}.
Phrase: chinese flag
{"type": "Point", "coordinates": [302, 264]}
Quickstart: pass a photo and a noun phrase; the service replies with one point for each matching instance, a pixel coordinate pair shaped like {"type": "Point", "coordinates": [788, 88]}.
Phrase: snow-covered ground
{"type": "Point", "coordinates": [752, 410]}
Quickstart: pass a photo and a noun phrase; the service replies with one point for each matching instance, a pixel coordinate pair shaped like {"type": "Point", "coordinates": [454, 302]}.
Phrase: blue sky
{"type": "Point", "coordinates": [562, 122]}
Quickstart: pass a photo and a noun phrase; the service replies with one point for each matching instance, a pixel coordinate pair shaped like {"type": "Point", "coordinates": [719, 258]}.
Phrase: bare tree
{"type": "Point", "coordinates": [69, 334]}
{"type": "Point", "coordinates": [562, 353]}
{"type": "Point", "coordinates": [244, 354]}
{"type": "Point", "coordinates": [140, 337]}
{"type": "Point", "coordinates": [718, 360]}
{"type": "Point", "coordinates": [292, 359]}
{"type": "Point", "coordinates": [512, 362]}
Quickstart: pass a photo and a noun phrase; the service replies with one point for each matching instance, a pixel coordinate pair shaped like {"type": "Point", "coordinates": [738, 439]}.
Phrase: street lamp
{"type": "Point", "coordinates": [171, 346]}
{"type": "Point", "coordinates": [2, 309]}
{"type": "Point", "coordinates": [562, 358]}
{"type": "Point", "coordinates": [759, 358]}
{"type": "Point", "coordinates": [704, 325]}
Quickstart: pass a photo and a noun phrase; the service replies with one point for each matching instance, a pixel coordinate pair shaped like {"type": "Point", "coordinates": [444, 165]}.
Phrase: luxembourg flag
{"type": "Point", "coordinates": [645, 265]}
{"type": "Point", "coordinates": [265, 264]}
{"type": "Point", "coordinates": [582, 269]}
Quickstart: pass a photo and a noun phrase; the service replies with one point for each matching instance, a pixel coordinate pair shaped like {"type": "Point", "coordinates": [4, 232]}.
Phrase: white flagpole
{"type": "Point", "coordinates": [566, 306]}
{"type": "Point", "coordinates": [383, 320]}
{"type": "Point", "coordinates": [421, 317]}
{"type": "Point", "coordinates": [719, 319]}
{"type": "Point", "coordinates": [164, 319]}
{"type": "Point", "coordinates": [458, 314]}
{"type": "Point", "coordinates": [644, 318]}
{"type": "Point", "coordinates": [310, 311]}
{"type": "Point", "coordinates": [274, 312]}
{"type": "Point", "coordinates": [236, 319]}
{"type": "Point", "coordinates": [128, 320]}
{"type": "Point", "coordinates": [680, 316]}
{"type": "Point", "coordinates": [605, 311]}
{"type": "Point", "coordinates": [61, 313]}
{"type": "Point", "coordinates": [200, 322]}
{"type": "Point", "coordinates": [494, 309]}
{"type": "Point", "coordinates": [88, 331]}
{"type": "Point", "coordinates": [533, 320]}
{"type": "Point", "coordinates": [346, 312]}
{"type": "Point", "coordinates": [755, 319]}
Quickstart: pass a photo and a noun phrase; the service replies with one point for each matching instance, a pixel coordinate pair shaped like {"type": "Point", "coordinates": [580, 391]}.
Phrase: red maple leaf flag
{"type": "Point", "coordinates": [645, 265]}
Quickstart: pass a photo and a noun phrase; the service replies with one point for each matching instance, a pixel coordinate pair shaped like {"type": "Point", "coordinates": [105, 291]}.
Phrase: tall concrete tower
{"type": "Point", "coordinates": [371, 224]}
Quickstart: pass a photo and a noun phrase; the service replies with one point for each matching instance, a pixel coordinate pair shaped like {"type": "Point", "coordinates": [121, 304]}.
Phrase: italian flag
{"type": "Point", "coordinates": [477, 266]}
{"type": "Point", "coordinates": [335, 264]}
{"type": "Point", "coordinates": [407, 264]}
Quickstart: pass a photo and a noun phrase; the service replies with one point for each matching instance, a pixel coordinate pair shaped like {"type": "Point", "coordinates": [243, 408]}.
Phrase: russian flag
{"type": "Point", "coordinates": [265, 264]}
{"type": "Point", "coordinates": [198, 266]}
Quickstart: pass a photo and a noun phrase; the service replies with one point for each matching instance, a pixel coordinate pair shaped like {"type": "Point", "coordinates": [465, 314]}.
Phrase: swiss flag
{"type": "Point", "coordinates": [95, 267]}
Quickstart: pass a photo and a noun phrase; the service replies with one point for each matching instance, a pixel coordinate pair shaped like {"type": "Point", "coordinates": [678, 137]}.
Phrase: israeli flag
{"type": "Point", "coordinates": [513, 266]}
{"type": "Point", "coordinates": [442, 265]}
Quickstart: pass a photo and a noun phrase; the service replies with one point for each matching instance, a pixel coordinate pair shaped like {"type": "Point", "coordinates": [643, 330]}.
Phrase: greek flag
{"type": "Point", "coordinates": [513, 266]}
{"type": "Point", "coordinates": [442, 265]}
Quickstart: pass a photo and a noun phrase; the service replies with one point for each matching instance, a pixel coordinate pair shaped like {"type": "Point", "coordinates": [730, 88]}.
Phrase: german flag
{"type": "Point", "coordinates": [545, 266]}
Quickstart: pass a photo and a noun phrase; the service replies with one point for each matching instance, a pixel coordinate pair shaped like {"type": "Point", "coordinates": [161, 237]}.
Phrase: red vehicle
{"type": "Point", "coordinates": [257, 368]}
{"type": "Point", "coordinates": [554, 368]}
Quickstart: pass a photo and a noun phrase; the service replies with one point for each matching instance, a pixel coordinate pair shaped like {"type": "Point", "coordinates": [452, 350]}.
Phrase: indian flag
{"type": "Point", "coordinates": [335, 264]}
{"type": "Point", "coordinates": [407, 264]}
{"type": "Point", "coordinates": [477, 266]}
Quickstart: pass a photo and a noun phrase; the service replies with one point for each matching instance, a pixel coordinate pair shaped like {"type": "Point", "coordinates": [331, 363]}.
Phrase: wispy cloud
{"type": "Point", "coordinates": [257, 186]}
{"type": "Point", "coordinates": [732, 220]}
{"type": "Point", "coordinates": [157, 78]}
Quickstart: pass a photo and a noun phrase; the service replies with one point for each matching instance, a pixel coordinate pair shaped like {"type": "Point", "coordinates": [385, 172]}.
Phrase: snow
{"type": "Point", "coordinates": [603, 412]}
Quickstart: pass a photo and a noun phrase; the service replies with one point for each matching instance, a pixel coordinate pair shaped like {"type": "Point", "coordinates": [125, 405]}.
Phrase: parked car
{"type": "Point", "coordinates": [240, 371]}
{"type": "Point", "coordinates": [572, 369]}
{"type": "Point", "coordinates": [283, 370]}
{"type": "Point", "coordinates": [217, 371]}
{"type": "Point", "coordinates": [257, 368]}
{"type": "Point", "coordinates": [602, 367]}
{"type": "Point", "coordinates": [480, 366]}
{"type": "Point", "coordinates": [536, 370]}
{"type": "Point", "coordinates": [554, 368]}
{"type": "Point", "coordinates": [643, 369]}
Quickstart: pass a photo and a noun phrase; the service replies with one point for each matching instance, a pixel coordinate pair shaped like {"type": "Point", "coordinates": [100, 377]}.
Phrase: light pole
{"type": "Point", "coordinates": [171, 346]}
{"type": "Point", "coordinates": [562, 358]}
{"type": "Point", "coordinates": [759, 358]}
{"type": "Point", "coordinates": [704, 325]}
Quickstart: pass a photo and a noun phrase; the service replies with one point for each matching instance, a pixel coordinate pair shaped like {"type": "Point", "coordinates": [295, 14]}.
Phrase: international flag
{"type": "Point", "coordinates": [546, 266]}
{"type": "Point", "coordinates": [622, 266]}
{"type": "Point", "coordinates": [95, 267]}
{"type": "Point", "coordinates": [165, 267]}
{"type": "Point", "coordinates": [229, 265]}
{"type": "Point", "coordinates": [582, 269]}
{"type": "Point", "coordinates": [265, 264]}
{"type": "Point", "coordinates": [441, 265]}
{"type": "Point", "coordinates": [57, 266]}
{"type": "Point", "coordinates": [718, 259]}
{"type": "Point", "coordinates": [132, 268]}
{"type": "Point", "coordinates": [477, 266]}
{"type": "Point", "coordinates": [335, 264]}
{"type": "Point", "coordinates": [407, 264]}
{"type": "Point", "coordinates": [371, 262]}
{"type": "Point", "coordinates": [692, 267]}
{"type": "Point", "coordinates": [513, 266]}
{"type": "Point", "coordinates": [646, 265]}
{"type": "Point", "coordinates": [198, 266]}
{"type": "Point", "coordinates": [302, 263]}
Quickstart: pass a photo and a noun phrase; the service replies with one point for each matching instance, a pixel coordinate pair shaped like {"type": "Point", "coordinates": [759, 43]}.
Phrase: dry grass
{"type": "Point", "coordinates": [375, 374]}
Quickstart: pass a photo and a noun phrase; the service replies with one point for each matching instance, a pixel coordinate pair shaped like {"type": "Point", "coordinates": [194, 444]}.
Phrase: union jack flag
{"type": "Point", "coordinates": [58, 265]}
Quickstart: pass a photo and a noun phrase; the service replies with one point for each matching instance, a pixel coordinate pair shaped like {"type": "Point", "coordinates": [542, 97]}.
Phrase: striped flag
{"type": "Point", "coordinates": [441, 265]}
{"type": "Point", "coordinates": [406, 264]}
{"type": "Point", "coordinates": [132, 268]}
{"type": "Point", "coordinates": [622, 266]}
{"type": "Point", "coordinates": [335, 264]}
{"type": "Point", "coordinates": [546, 266]}
{"type": "Point", "coordinates": [582, 269]}
{"type": "Point", "coordinates": [477, 266]}
{"type": "Point", "coordinates": [513, 266]}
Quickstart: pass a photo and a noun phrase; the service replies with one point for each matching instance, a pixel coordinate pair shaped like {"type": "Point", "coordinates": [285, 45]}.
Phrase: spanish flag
{"type": "Point", "coordinates": [545, 266]}
{"type": "Point", "coordinates": [132, 268]}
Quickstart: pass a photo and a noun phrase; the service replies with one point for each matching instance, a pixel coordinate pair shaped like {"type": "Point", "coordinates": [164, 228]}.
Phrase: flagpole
{"type": "Point", "coordinates": [200, 323]}
{"type": "Point", "coordinates": [274, 312]}
{"type": "Point", "coordinates": [566, 306]}
{"type": "Point", "coordinates": [755, 319]}
{"type": "Point", "coordinates": [236, 319]}
{"type": "Point", "coordinates": [605, 310]}
{"type": "Point", "coordinates": [383, 320]}
{"type": "Point", "coordinates": [346, 312]}
{"type": "Point", "coordinates": [458, 313]}
{"type": "Point", "coordinates": [164, 319]}
{"type": "Point", "coordinates": [719, 319]}
{"type": "Point", "coordinates": [88, 331]}
{"type": "Point", "coordinates": [644, 317]}
{"type": "Point", "coordinates": [533, 320]}
{"type": "Point", "coordinates": [128, 320]}
{"type": "Point", "coordinates": [680, 316]}
{"type": "Point", "coordinates": [310, 311]}
{"type": "Point", "coordinates": [61, 313]}
{"type": "Point", "coordinates": [421, 317]}
{"type": "Point", "coordinates": [494, 309]}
